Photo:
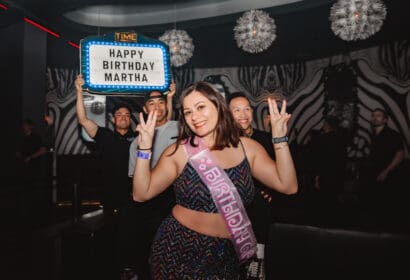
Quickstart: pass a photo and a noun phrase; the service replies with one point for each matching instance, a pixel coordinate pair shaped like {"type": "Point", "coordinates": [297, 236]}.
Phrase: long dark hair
{"type": "Point", "coordinates": [226, 132]}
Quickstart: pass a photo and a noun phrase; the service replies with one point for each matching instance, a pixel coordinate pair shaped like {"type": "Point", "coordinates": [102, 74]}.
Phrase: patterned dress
{"type": "Point", "coordinates": [180, 253]}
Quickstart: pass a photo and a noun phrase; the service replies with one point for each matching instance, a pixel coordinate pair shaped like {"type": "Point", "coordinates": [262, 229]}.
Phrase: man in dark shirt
{"type": "Point", "coordinates": [384, 161]}
{"type": "Point", "coordinates": [113, 147]}
{"type": "Point", "coordinates": [329, 164]}
{"type": "Point", "coordinates": [386, 151]}
{"type": "Point", "coordinates": [114, 151]}
{"type": "Point", "coordinates": [31, 154]}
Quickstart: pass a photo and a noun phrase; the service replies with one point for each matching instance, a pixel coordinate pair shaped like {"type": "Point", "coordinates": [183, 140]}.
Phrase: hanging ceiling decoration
{"type": "Point", "coordinates": [357, 19]}
{"type": "Point", "coordinates": [180, 46]}
{"type": "Point", "coordinates": [255, 31]}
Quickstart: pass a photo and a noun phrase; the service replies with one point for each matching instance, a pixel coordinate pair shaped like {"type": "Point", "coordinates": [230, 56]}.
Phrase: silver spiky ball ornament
{"type": "Point", "coordinates": [354, 20]}
{"type": "Point", "coordinates": [180, 46]}
{"type": "Point", "coordinates": [255, 31]}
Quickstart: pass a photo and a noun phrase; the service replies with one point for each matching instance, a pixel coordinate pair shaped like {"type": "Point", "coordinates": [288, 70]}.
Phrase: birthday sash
{"type": "Point", "coordinates": [226, 198]}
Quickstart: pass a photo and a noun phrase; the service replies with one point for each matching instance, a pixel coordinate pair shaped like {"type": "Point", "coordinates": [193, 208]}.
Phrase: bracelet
{"type": "Point", "coordinates": [143, 155]}
{"type": "Point", "coordinates": [281, 146]}
{"type": "Point", "coordinates": [276, 140]}
{"type": "Point", "coordinates": [147, 149]}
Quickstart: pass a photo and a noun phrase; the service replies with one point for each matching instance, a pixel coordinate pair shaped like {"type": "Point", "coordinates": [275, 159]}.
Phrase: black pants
{"type": "Point", "coordinates": [259, 212]}
{"type": "Point", "coordinates": [137, 225]}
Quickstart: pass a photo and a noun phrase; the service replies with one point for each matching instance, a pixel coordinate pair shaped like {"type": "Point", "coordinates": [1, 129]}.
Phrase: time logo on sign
{"type": "Point", "coordinates": [127, 67]}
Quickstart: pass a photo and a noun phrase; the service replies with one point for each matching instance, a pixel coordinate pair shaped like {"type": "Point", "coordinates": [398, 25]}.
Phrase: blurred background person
{"type": "Point", "coordinates": [383, 187]}
{"type": "Point", "coordinates": [329, 159]}
{"type": "Point", "coordinates": [31, 154]}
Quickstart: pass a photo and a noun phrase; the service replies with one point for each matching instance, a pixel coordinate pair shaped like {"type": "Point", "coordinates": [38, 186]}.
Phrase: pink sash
{"type": "Point", "coordinates": [226, 199]}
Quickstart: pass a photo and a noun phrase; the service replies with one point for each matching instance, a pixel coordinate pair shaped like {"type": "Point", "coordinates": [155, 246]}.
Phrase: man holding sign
{"type": "Point", "coordinates": [114, 147]}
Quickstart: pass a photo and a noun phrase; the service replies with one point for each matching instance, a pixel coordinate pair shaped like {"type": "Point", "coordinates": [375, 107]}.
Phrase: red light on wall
{"type": "Point", "coordinates": [41, 27]}
{"type": "Point", "coordinates": [4, 7]}
{"type": "Point", "coordinates": [73, 44]}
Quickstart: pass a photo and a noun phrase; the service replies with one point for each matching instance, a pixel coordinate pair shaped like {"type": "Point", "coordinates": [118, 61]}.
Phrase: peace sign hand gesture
{"type": "Point", "coordinates": [146, 130]}
{"type": "Point", "coordinates": [278, 120]}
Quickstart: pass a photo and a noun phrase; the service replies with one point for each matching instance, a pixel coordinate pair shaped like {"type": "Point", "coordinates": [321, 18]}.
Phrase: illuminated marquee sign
{"type": "Point", "coordinates": [124, 62]}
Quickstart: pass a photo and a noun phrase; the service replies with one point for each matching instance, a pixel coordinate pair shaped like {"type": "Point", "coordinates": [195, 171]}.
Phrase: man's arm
{"type": "Point", "coordinates": [90, 126]}
{"type": "Point", "coordinates": [41, 151]}
{"type": "Point", "coordinates": [171, 93]}
{"type": "Point", "coordinates": [397, 159]}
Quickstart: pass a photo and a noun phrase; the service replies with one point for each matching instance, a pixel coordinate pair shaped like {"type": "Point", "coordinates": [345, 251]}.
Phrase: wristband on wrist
{"type": "Point", "coordinates": [143, 155]}
{"type": "Point", "coordinates": [276, 140]}
{"type": "Point", "coordinates": [147, 149]}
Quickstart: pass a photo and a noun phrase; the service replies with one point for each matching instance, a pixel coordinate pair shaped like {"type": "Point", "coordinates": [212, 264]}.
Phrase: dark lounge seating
{"type": "Point", "coordinates": [307, 250]}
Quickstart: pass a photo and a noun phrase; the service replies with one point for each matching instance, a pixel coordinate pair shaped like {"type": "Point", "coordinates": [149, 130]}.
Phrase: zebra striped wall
{"type": "Point", "coordinates": [347, 86]}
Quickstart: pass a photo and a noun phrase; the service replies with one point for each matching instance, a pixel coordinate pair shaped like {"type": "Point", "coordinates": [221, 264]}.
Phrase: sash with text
{"type": "Point", "coordinates": [226, 199]}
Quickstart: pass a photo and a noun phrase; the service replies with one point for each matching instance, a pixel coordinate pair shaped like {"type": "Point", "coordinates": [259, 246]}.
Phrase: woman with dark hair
{"type": "Point", "coordinates": [208, 235]}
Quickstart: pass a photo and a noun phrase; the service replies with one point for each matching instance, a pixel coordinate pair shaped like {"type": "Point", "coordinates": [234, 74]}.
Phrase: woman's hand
{"type": "Point", "coordinates": [146, 130]}
{"type": "Point", "coordinates": [278, 120]}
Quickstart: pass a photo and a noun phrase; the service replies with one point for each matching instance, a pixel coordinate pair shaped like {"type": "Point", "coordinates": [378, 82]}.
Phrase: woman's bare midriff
{"type": "Point", "coordinates": [211, 224]}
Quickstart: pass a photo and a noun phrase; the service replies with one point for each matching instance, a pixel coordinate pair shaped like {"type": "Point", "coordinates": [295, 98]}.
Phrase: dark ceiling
{"type": "Point", "coordinates": [303, 29]}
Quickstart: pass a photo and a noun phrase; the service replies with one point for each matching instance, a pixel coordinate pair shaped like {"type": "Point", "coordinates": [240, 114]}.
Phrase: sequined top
{"type": "Point", "coordinates": [193, 194]}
